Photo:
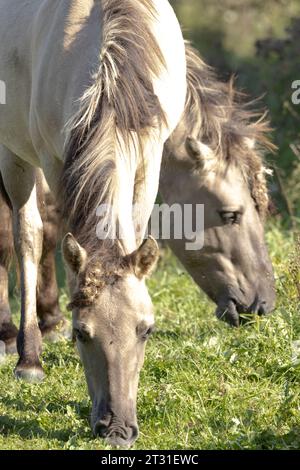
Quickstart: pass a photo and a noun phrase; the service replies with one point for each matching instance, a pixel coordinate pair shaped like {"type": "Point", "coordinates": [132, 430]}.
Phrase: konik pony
{"type": "Point", "coordinates": [215, 157]}
{"type": "Point", "coordinates": [93, 91]}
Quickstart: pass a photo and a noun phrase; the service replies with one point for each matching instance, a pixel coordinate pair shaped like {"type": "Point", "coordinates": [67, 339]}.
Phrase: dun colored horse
{"type": "Point", "coordinates": [214, 157]}
{"type": "Point", "coordinates": [93, 91]}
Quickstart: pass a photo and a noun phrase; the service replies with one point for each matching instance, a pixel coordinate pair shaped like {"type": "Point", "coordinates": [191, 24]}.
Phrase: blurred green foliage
{"type": "Point", "coordinates": [259, 41]}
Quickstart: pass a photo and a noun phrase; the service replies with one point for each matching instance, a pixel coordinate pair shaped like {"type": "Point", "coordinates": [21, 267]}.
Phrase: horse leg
{"type": "Point", "coordinates": [8, 331]}
{"type": "Point", "coordinates": [48, 311]}
{"type": "Point", "coordinates": [20, 183]}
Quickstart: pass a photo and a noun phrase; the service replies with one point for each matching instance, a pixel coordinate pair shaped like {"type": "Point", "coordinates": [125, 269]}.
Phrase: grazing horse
{"type": "Point", "coordinates": [214, 158]}
{"type": "Point", "coordinates": [93, 91]}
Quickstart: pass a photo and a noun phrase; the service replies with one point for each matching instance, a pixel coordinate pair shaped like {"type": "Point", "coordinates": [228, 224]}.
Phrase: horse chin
{"type": "Point", "coordinates": [227, 311]}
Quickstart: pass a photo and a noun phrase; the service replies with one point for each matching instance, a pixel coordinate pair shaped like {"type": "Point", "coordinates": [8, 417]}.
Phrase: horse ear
{"type": "Point", "coordinates": [144, 259]}
{"type": "Point", "coordinates": [74, 254]}
{"type": "Point", "coordinates": [198, 151]}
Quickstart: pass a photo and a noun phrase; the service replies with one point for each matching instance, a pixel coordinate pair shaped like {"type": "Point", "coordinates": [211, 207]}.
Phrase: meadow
{"type": "Point", "coordinates": [204, 385]}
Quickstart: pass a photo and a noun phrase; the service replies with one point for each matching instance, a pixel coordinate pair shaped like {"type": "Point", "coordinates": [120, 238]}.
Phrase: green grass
{"type": "Point", "coordinates": [204, 385]}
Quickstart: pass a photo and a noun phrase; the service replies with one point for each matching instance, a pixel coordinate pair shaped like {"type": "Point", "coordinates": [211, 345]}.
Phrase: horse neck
{"type": "Point", "coordinates": [76, 13]}
{"type": "Point", "coordinates": [75, 42]}
{"type": "Point", "coordinates": [173, 167]}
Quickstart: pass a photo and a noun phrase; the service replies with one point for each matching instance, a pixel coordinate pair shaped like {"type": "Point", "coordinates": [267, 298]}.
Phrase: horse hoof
{"type": "Point", "coordinates": [30, 374]}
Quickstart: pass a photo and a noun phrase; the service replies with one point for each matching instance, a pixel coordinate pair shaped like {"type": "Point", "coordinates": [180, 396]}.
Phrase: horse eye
{"type": "Point", "coordinates": [230, 218]}
{"type": "Point", "coordinates": [148, 333]}
{"type": "Point", "coordinates": [82, 336]}
{"type": "Point", "coordinates": [144, 334]}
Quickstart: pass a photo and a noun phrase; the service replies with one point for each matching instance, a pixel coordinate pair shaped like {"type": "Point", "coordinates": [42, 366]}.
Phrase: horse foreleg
{"type": "Point", "coordinates": [8, 331]}
{"type": "Point", "coordinates": [48, 309]}
{"type": "Point", "coordinates": [20, 183]}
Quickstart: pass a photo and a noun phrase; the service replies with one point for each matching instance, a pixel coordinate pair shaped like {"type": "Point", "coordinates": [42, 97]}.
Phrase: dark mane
{"type": "Point", "coordinates": [120, 101]}
{"type": "Point", "coordinates": [219, 116]}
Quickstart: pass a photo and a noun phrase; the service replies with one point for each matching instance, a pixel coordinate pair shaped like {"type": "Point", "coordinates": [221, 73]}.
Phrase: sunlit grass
{"type": "Point", "coordinates": [204, 384]}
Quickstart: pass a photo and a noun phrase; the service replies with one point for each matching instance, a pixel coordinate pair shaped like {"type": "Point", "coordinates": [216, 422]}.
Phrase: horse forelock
{"type": "Point", "coordinates": [92, 282]}
{"type": "Point", "coordinates": [117, 110]}
{"type": "Point", "coordinates": [105, 268]}
{"type": "Point", "coordinates": [218, 115]}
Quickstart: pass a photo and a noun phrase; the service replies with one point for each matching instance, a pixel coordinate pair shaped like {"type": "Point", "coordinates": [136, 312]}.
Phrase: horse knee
{"type": "Point", "coordinates": [28, 234]}
{"type": "Point", "coordinates": [49, 237]}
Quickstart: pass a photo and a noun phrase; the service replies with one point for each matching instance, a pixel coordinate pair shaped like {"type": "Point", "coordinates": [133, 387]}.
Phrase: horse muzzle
{"type": "Point", "coordinates": [116, 432]}
{"type": "Point", "coordinates": [230, 310]}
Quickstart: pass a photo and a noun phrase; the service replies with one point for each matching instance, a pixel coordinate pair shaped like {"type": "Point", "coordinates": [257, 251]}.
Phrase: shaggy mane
{"type": "Point", "coordinates": [118, 105]}
{"type": "Point", "coordinates": [218, 115]}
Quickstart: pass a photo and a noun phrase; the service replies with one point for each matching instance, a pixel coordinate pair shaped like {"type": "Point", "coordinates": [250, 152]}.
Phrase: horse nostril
{"type": "Point", "coordinates": [101, 429]}
{"type": "Point", "coordinates": [228, 311]}
{"type": "Point", "coordinates": [263, 308]}
{"type": "Point", "coordinates": [134, 433]}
